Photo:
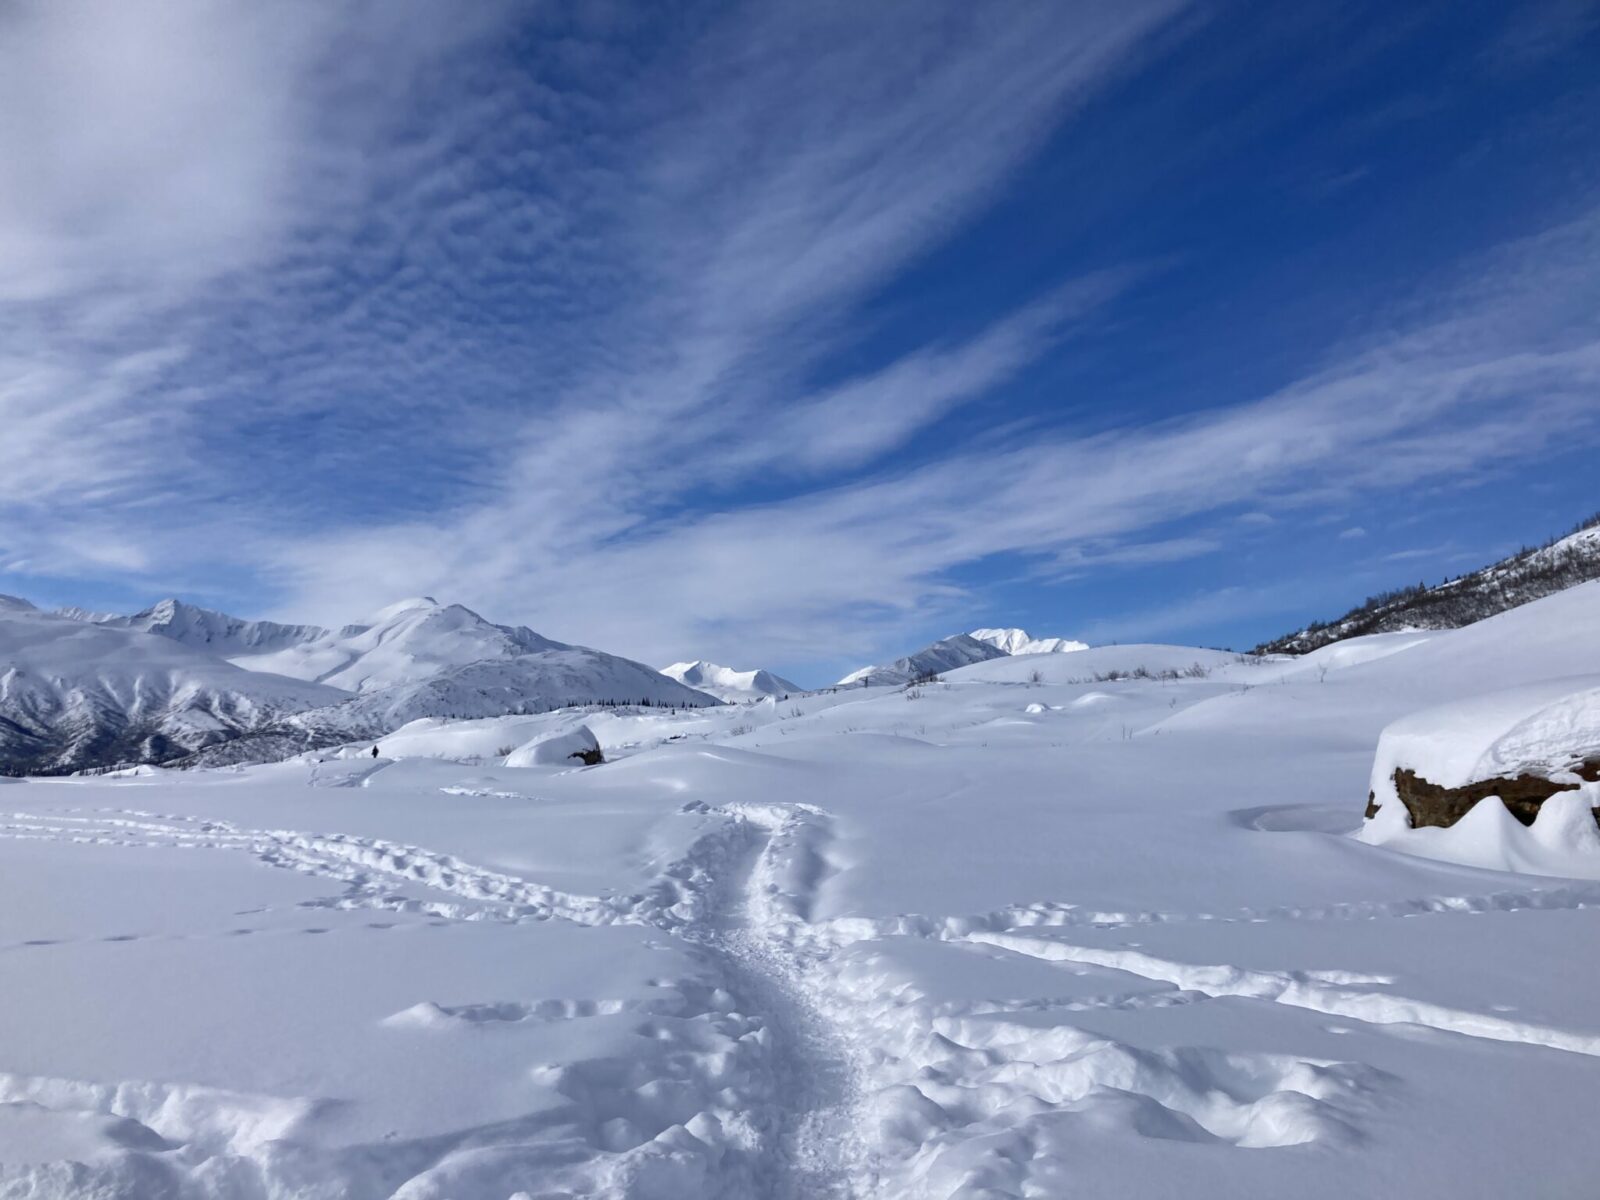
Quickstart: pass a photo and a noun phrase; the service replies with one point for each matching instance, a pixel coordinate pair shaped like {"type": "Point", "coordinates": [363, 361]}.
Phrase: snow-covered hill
{"type": "Point", "coordinates": [1017, 641]}
{"type": "Point", "coordinates": [408, 642]}
{"type": "Point", "coordinates": [944, 655]}
{"type": "Point", "coordinates": [205, 629]}
{"type": "Point", "coordinates": [725, 683]}
{"type": "Point", "coordinates": [1525, 576]}
{"type": "Point", "coordinates": [76, 694]}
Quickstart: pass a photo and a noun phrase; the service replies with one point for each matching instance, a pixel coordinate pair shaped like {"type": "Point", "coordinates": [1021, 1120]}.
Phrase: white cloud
{"type": "Point", "coordinates": [341, 387]}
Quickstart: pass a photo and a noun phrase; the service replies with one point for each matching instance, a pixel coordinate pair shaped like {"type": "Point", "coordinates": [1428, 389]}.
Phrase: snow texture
{"type": "Point", "coordinates": [1099, 932]}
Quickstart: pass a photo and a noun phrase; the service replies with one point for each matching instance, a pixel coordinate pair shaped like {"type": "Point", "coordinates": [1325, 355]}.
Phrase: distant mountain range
{"type": "Point", "coordinates": [728, 684]}
{"type": "Point", "coordinates": [178, 683]}
{"type": "Point", "coordinates": [1527, 575]}
{"type": "Point", "coordinates": [1017, 641]}
{"type": "Point", "coordinates": [962, 650]}
{"type": "Point", "coordinates": [79, 694]}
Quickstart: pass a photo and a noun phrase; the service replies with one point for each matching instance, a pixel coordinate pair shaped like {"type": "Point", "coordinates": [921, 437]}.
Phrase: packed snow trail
{"type": "Point", "coordinates": [817, 1151]}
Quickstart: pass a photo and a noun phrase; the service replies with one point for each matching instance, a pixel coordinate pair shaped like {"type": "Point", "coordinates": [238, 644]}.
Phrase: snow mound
{"type": "Point", "coordinates": [566, 748]}
{"type": "Point", "coordinates": [1562, 841]}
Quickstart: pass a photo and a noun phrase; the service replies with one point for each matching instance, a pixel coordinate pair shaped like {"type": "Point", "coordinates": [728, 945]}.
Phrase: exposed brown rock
{"type": "Point", "coordinates": [1430, 804]}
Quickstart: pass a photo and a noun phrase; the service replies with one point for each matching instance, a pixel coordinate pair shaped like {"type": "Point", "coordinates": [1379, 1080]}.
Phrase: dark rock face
{"type": "Point", "coordinates": [1430, 804]}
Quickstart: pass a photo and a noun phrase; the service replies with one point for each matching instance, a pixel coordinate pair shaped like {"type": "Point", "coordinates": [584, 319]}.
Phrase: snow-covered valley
{"type": "Point", "coordinates": [1055, 925]}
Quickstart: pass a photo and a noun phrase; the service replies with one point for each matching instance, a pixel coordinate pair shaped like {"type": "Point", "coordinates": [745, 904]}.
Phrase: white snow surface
{"type": "Point", "coordinates": [729, 684]}
{"type": "Point", "coordinates": [1018, 641]}
{"type": "Point", "coordinates": [983, 938]}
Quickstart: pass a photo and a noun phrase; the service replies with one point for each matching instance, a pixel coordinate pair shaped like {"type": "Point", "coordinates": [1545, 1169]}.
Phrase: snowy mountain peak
{"type": "Point", "coordinates": [399, 607]}
{"type": "Point", "coordinates": [726, 683]}
{"type": "Point", "coordinates": [944, 655]}
{"type": "Point", "coordinates": [405, 643]}
{"type": "Point", "coordinates": [87, 615]}
{"type": "Point", "coordinates": [1017, 641]}
{"type": "Point", "coordinates": [16, 603]}
{"type": "Point", "coordinates": [206, 629]}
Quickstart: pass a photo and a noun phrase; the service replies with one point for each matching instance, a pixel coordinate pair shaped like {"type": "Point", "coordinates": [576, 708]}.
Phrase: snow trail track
{"type": "Point", "coordinates": [800, 1066]}
{"type": "Point", "coordinates": [817, 1071]}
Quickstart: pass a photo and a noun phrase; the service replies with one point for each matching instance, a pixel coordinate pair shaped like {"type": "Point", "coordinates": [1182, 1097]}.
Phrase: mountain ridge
{"type": "Point", "coordinates": [728, 683]}
{"type": "Point", "coordinates": [1530, 574]}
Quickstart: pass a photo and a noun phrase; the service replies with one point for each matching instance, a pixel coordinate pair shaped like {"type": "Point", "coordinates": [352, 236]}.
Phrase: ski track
{"type": "Point", "coordinates": [860, 1086]}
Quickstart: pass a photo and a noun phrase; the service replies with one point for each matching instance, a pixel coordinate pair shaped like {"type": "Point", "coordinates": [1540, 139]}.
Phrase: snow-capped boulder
{"type": "Point", "coordinates": [1523, 745]}
{"type": "Point", "coordinates": [566, 748]}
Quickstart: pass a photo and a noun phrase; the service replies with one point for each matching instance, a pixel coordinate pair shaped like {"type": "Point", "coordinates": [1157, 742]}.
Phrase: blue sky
{"type": "Point", "coordinates": [794, 336]}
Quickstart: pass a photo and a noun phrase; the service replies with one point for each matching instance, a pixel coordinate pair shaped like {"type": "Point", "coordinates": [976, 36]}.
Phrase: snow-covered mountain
{"type": "Point", "coordinates": [962, 650]}
{"type": "Point", "coordinates": [1017, 641]}
{"type": "Point", "coordinates": [408, 642]}
{"type": "Point", "coordinates": [205, 629]}
{"type": "Point", "coordinates": [93, 617]}
{"type": "Point", "coordinates": [725, 683]}
{"type": "Point", "coordinates": [172, 681]}
{"type": "Point", "coordinates": [75, 694]}
{"type": "Point", "coordinates": [539, 681]}
{"type": "Point", "coordinates": [944, 655]}
{"type": "Point", "coordinates": [1525, 576]}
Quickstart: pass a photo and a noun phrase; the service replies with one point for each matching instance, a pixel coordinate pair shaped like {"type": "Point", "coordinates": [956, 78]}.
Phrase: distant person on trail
{"type": "Point", "coordinates": [374, 752]}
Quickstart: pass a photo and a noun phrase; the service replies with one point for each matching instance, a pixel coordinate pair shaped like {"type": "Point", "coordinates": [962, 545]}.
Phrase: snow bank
{"type": "Point", "coordinates": [1542, 729]}
{"type": "Point", "coordinates": [1563, 839]}
{"type": "Point", "coordinates": [568, 748]}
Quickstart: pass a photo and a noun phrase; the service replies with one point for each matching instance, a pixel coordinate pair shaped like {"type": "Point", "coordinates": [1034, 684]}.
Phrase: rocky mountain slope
{"type": "Point", "coordinates": [76, 694]}
{"type": "Point", "coordinates": [1527, 575]}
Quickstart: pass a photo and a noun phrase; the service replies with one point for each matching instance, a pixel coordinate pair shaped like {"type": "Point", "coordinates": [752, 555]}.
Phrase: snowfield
{"type": "Point", "coordinates": [1082, 924]}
